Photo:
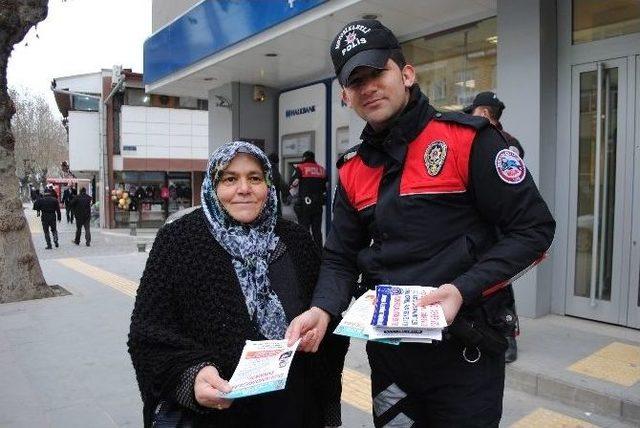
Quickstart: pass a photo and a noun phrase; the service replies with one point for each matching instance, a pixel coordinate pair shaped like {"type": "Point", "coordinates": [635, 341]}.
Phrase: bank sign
{"type": "Point", "coordinates": [299, 111]}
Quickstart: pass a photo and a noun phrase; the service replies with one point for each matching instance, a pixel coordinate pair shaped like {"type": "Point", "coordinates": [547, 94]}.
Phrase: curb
{"type": "Point", "coordinates": [572, 395]}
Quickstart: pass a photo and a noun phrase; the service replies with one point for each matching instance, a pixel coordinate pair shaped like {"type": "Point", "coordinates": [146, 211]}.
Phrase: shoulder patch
{"type": "Point", "coordinates": [510, 167]}
{"type": "Point", "coordinates": [476, 122]}
{"type": "Point", "coordinates": [347, 156]}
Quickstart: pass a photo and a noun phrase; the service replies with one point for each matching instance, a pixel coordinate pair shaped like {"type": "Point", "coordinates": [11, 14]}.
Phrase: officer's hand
{"type": "Point", "coordinates": [311, 326]}
{"type": "Point", "coordinates": [207, 388]}
{"type": "Point", "coordinates": [449, 298]}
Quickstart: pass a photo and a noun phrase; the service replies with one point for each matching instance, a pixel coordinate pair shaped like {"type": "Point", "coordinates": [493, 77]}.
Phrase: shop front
{"type": "Point", "coordinates": [149, 197]}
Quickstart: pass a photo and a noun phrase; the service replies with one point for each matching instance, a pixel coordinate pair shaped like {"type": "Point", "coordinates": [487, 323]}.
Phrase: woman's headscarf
{"type": "Point", "coordinates": [250, 245]}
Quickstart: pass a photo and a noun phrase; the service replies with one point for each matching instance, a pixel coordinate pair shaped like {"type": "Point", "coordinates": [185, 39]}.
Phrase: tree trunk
{"type": "Point", "coordinates": [20, 273]}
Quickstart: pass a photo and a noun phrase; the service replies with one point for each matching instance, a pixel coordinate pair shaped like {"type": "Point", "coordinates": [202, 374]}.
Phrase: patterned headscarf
{"type": "Point", "coordinates": [250, 245]}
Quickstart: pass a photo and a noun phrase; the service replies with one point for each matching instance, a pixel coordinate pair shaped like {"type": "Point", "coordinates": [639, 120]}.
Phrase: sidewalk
{"type": "Point", "coordinates": [585, 364]}
{"type": "Point", "coordinates": [64, 362]}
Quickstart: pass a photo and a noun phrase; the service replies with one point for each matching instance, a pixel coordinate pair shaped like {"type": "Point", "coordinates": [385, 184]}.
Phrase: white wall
{"type": "Point", "coordinates": [84, 141]}
{"type": "Point", "coordinates": [89, 83]}
{"type": "Point", "coordinates": [164, 133]}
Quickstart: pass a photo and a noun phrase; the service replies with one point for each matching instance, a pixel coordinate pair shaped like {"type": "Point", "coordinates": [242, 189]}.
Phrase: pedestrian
{"type": "Point", "coordinates": [309, 182]}
{"type": "Point", "coordinates": [488, 105]}
{"type": "Point", "coordinates": [67, 197]}
{"type": "Point", "coordinates": [48, 208]}
{"type": "Point", "coordinates": [277, 180]}
{"type": "Point", "coordinates": [420, 202]}
{"type": "Point", "coordinates": [230, 271]}
{"type": "Point", "coordinates": [81, 206]}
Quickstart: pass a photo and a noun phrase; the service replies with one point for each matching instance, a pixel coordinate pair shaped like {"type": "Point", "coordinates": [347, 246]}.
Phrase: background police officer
{"type": "Point", "coordinates": [48, 207]}
{"type": "Point", "coordinates": [488, 105]}
{"type": "Point", "coordinates": [434, 199]}
{"type": "Point", "coordinates": [309, 181]}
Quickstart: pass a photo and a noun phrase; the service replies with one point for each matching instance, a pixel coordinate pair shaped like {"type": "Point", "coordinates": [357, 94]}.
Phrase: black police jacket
{"type": "Point", "coordinates": [48, 208]}
{"type": "Point", "coordinates": [436, 199]}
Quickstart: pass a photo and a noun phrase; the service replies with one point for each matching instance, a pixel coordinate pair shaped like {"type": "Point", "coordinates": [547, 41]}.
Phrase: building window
{"type": "Point", "coordinates": [83, 103]}
{"type": "Point", "coordinates": [596, 19]}
{"type": "Point", "coordinates": [136, 97]}
{"type": "Point", "coordinates": [193, 103]}
{"type": "Point", "coordinates": [452, 67]}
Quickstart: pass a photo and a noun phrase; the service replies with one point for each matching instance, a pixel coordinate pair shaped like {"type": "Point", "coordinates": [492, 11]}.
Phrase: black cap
{"type": "Point", "coordinates": [308, 155]}
{"type": "Point", "coordinates": [361, 43]}
{"type": "Point", "coordinates": [485, 99]}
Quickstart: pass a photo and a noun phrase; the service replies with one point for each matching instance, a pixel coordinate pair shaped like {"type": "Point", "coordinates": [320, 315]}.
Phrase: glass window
{"type": "Point", "coordinates": [136, 97]}
{"type": "Point", "coordinates": [85, 103]}
{"type": "Point", "coordinates": [455, 65]}
{"type": "Point", "coordinates": [598, 19]}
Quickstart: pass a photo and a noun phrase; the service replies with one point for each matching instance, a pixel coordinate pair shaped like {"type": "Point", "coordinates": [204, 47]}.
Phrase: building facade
{"type": "Point", "coordinates": [568, 71]}
{"type": "Point", "coordinates": [147, 152]}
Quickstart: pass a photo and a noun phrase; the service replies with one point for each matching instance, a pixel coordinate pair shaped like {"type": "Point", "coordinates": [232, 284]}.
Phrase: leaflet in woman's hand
{"type": "Point", "coordinates": [263, 367]}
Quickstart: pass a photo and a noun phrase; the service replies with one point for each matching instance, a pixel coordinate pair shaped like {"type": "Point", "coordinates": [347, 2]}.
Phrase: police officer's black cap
{"type": "Point", "coordinates": [363, 43]}
{"type": "Point", "coordinates": [487, 98]}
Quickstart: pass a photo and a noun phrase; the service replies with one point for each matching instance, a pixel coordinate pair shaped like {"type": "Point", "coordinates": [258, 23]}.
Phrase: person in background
{"type": "Point", "coordinates": [309, 183]}
{"type": "Point", "coordinates": [230, 271]}
{"type": "Point", "coordinates": [81, 206]}
{"type": "Point", "coordinates": [67, 196]}
{"type": "Point", "coordinates": [421, 202]}
{"type": "Point", "coordinates": [489, 106]}
{"type": "Point", "coordinates": [281, 192]}
{"type": "Point", "coordinates": [48, 209]}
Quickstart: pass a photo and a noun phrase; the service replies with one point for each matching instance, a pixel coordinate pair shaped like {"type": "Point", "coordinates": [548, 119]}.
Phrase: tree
{"type": "Point", "coordinates": [40, 138]}
{"type": "Point", "coordinates": [20, 273]}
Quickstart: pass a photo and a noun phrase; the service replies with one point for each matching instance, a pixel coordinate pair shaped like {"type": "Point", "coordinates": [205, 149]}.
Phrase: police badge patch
{"type": "Point", "coordinates": [510, 167]}
{"type": "Point", "coordinates": [434, 157]}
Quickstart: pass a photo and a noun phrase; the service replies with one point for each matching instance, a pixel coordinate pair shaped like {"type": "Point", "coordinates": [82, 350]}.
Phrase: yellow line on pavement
{"type": "Point", "coordinates": [105, 277]}
{"type": "Point", "coordinates": [356, 389]}
{"type": "Point", "coordinates": [35, 225]}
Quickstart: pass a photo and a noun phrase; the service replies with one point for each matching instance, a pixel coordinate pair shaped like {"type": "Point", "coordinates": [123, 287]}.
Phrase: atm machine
{"type": "Point", "coordinates": [302, 126]}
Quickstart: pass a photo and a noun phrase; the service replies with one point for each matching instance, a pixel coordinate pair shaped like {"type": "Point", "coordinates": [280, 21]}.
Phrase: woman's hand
{"type": "Point", "coordinates": [207, 388]}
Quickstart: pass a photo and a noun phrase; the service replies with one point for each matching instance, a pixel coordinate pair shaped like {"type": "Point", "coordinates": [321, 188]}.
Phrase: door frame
{"type": "Point", "coordinates": [615, 309]}
{"type": "Point", "coordinates": [633, 309]}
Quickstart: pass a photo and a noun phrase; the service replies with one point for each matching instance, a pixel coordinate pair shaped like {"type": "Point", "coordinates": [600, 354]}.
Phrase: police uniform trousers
{"type": "Point", "coordinates": [433, 385]}
{"type": "Point", "coordinates": [311, 220]}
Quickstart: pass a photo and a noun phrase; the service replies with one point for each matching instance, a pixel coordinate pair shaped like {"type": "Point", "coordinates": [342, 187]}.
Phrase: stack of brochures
{"type": "Point", "coordinates": [390, 314]}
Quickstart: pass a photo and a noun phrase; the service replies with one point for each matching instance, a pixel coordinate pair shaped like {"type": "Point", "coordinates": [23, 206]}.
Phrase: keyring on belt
{"type": "Point", "coordinates": [464, 355]}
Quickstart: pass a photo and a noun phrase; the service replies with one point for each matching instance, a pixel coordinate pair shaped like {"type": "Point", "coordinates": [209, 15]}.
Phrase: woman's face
{"type": "Point", "coordinates": [242, 189]}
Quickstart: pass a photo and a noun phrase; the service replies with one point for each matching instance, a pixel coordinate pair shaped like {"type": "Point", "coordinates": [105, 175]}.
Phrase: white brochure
{"type": "Point", "coordinates": [396, 308]}
{"type": "Point", "coordinates": [357, 320]}
{"type": "Point", "coordinates": [263, 367]}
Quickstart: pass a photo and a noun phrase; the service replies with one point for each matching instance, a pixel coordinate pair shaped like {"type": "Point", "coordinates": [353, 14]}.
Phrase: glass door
{"type": "Point", "coordinates": [633, 318]}
{"type": "Point", "coordinates": [597, 277]}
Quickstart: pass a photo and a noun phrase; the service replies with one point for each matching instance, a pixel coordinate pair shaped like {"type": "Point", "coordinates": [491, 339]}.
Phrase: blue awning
{"type": "Point", "coordinates": [211, 27]}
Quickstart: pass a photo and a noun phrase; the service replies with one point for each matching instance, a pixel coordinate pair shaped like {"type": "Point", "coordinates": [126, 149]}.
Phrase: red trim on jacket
{"type": "Point", "coordinates": [361, 182]}
{"type": "Point", "coordinates": [311, 170]}
{"type": "Point", "coordinates": [454, 175]}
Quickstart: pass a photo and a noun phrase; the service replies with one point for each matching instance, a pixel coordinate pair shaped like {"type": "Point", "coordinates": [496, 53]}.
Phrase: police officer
{"type": "Point", "coordinates": [309, 181]}
{"type": "Point", "coordinates": [48, 207]}
{"type": "Point", "coordinates": [421, 201]}
{"type": "Point", "coordinates": [488, 105]}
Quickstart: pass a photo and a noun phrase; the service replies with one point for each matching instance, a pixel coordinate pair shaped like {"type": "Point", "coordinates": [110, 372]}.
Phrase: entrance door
{"type": "Point", "coordinates": [633, 319]}
{"type": "Point", "coordinates": [601, 187]}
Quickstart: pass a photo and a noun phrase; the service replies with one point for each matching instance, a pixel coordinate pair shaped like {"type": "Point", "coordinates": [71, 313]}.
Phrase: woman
{"type": "Point", "coordinates": [225, 273]}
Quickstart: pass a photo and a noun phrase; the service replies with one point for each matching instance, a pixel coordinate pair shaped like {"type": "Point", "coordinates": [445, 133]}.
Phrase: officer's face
{"type": "Point", "coordinates": [378, 96]}
{"type": "Point", "coordinates": [242, 189]}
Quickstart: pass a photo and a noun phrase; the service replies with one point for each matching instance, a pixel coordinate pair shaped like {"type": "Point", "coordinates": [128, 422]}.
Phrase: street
{"type": "Point", "coordinates": [64, 362]}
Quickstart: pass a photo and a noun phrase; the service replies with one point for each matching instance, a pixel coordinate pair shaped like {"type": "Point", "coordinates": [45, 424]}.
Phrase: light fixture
{"type": "Point", "coordinates": [271, 54]}
{"type": "Point", "coordinates": [209, 79]}
{"type": "Point", "coordinates": [492, 40]}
